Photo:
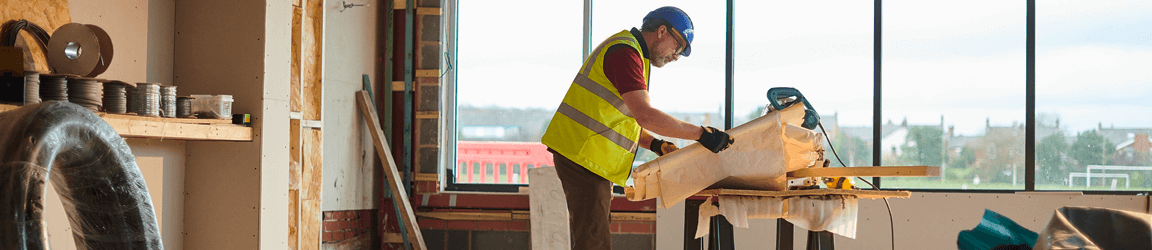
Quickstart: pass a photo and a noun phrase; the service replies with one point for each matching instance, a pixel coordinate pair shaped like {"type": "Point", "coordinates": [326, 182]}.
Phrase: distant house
{"type": "Point", "coordinates": [1134, 151]}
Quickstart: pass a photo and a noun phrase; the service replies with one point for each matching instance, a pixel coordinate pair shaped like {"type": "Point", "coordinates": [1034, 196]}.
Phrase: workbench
{"type": "Point", "coordinates": [720, 232]}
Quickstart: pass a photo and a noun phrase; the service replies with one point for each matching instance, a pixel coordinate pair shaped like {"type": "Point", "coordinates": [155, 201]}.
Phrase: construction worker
{"type": "Point", "coordinates": [606, 116]}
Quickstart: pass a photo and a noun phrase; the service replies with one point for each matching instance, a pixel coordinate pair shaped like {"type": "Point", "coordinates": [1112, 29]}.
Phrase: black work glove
{"type": "Point", "coordinates": [662, 147]}
{"type": "Point", "coordinates": [715, 140]}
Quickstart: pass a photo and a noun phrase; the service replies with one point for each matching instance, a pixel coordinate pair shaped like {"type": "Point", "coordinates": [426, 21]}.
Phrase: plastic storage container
{"type": "Point", "coordinates": [212, 106]}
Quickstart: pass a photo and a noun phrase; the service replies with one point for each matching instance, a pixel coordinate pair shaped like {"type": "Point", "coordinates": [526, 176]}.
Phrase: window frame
{"type": "Point", "coordinates": [448, 110]}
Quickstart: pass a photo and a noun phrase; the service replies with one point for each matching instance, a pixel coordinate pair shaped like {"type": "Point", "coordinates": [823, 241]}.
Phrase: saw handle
{"type": "Point", "coordinates": [811, 118]}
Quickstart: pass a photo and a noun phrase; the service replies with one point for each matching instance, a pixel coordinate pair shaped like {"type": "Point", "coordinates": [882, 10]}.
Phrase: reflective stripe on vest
{"type": "Point", "coordinates": [592, 126]}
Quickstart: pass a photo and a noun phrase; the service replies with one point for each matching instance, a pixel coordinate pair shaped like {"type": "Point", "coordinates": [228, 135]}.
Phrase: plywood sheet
{"type": "Point", "coordinates": [293, 219]}
{"type": "Point", "coordinates": [296, 89]}
{"type": "Point", "coordinates": [48, 14]}
{"type": "Point", "coordinates": [312, 59]}
{"type": "Point", "coordinates": [309, 225]}
{"type": "Point", "coordinates": [312, 178]}
{"type": "Point", "coordinates": [295, 152]}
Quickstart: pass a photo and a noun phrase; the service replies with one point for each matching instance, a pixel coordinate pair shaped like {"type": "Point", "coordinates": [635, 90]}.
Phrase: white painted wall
{"type": "Point", "coordinates": [925, 221]}
{"type": "Point", "coordinates": [350, 51]}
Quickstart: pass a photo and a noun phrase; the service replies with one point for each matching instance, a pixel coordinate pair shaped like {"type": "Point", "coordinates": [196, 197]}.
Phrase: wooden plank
{"type": "Point", "coordinates": [466, 215]}
{"type": "Point", "coordinates": [428, 73]}
{"type": "Point", "coordinates": [427, 11]}
{"type": "Point", "coordinates": [179, 131]}
{"type": "Point", "coordinates": [395, 183]}
{"type": "Point", "coordinates": [293, 219]}
{"type": "Point", "coordinates": [427, 114]}
{"type": "Point", "coordinates": [312, 62]}
{"type": "Point", "coordinates": [863, 194]}
{"type": "Point", "coordinates": [917, 171]}
{"type": "Point", "coordinates": [296, 89]}
{"type": "Point", "coordinates": [398, 86]}
{"type": "Point", "coordinates": [311, 178]}
{"type": "Point", "coordinates": [310, 218]}
{"type": "Point", "coordinates": [295, 157]}
{"type": "Point", "coordinates": [108, 116]}
{"type": "Point", "coordinates": [523, 215]}
{"type": "Point", "coordinates": [391, 238]}
{"type": "Point", "coordinates": [426, 177]}
{"type": "Point", "coordinates": [169, 128]}
{"type": "Point", "coordinates": [48, 14]}
{"type": "Point", "coordinates": [312, 124]}
{"type": "Point", "coordinates": [162, 119]}
{"type": "Point", "coordinates": [621, 216]}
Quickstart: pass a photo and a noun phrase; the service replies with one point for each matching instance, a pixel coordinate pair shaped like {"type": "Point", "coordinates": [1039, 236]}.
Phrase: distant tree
{"type": "Point", "coordinates": [1003, 155]}
{"type": "Point", "coordinates": [1050, 153]}
{"type": "Point", "coordinates": [960, 167]}
{"type": "Point", "coordinates": [1091, 148]}
{"type": "Point", "coordinates": [852, 150]}
{"type": "Point", "coordinates": [925, 147]}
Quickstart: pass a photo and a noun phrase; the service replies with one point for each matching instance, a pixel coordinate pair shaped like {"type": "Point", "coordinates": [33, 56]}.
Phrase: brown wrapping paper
{"type": "Point", "coordinates": [765, 149]}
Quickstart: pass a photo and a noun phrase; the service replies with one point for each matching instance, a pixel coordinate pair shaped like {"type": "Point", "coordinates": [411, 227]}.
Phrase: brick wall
{"type": "Point", "coordinates": [353, 227]}
{"type": "Point", "coordinates": [517, 234]}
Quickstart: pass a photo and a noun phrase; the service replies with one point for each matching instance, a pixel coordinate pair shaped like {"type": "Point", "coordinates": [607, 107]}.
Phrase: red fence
{"type": "Point", "coordinates": [497, 156]}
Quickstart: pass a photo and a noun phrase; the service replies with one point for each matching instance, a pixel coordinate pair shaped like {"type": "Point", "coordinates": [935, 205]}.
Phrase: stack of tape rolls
{"type": "Point", "coordinates": [85, 92]}
{"type": "Point", "coordinates": [31, 87]}
{"type": "Point", "coordinates": [79, 49]}
{"type": "Point", "coordinates": [115, 100]}
{"type": "Point", "coordinates": [149, 99]}
{"type": "Point", "coordinates": [54, 87]}
{"type": "Point", "coordinates": [168, 101]}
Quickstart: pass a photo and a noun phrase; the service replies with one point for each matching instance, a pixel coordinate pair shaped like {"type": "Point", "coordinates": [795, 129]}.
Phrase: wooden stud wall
{"type": "Point", "coordinates": [295, 169]}
{"type": "Point", "coordinates": [312, 59]}
{"type": "Point", "coordinates": [297, 89]}
{"type": "Point", "coordinates": [311, 180]}
{"type": "Point", "coordinates": [306, 104]}
{"type": "Point", "coordinates": [48, 14]}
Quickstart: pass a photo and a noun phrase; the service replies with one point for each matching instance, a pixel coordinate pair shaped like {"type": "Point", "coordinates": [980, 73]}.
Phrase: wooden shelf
{"type": "Point", "coordinates": [133, 126]}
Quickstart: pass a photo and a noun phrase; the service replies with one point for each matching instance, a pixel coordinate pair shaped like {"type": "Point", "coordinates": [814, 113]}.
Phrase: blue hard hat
{"type": "Point", "coordinates": [679, 20]}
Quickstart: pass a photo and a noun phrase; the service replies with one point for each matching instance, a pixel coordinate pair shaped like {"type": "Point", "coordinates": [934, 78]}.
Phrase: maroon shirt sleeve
{"type": "Point", "coordinates": [622, 66]}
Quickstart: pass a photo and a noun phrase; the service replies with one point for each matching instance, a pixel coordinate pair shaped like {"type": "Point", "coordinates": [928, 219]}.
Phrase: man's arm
{"type": "Point", "coordinates": [656, 121]}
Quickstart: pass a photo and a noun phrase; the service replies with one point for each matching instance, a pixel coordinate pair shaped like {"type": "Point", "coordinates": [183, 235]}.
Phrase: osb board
{"type": "Point", "coordinates": [312, 59]}
{"type": "Point", "coordinates": [309, 225]}
{"type": "Point", "coordinates": [295, 167]}
{"type": "Point", "coordinates": [297, 19]}
{"type": "Point", "coordinates": [293, 219]}
{"type": "Point", "coordinates": [862, 194]}
{"type": "Point", "coordinates": [313, 172]}
{"type": "Point", "coordinates": [48, 14]}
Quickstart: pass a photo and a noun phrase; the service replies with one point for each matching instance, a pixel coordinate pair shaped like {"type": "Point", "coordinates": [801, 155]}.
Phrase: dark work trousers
{"type": "Point", "coordinates": [589, 197]}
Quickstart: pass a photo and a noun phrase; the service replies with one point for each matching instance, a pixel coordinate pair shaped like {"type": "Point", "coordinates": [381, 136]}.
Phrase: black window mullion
{"type": "Point", "coordinates": [1030, 102]}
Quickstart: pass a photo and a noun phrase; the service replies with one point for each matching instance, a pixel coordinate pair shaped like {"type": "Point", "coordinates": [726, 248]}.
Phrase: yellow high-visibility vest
{"type": "Point", "coordinates": [592, 127]}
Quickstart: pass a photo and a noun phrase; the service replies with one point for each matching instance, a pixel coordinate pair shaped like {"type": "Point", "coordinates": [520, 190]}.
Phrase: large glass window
{"type": "Point", "coordinates": [954, 92]}
{"type": "Point", "coordinates": [824, 50]}
{"type": "Point", "coordinates": [513, 69]}
{"type": "Point", "coordinates": [690, 89]}
{"type": "Point", "coordinates": [1093, 85]}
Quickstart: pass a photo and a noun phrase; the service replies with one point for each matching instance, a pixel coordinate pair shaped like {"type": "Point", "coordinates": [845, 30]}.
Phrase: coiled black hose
{"type": "Point", "coordinates": [91, 168]}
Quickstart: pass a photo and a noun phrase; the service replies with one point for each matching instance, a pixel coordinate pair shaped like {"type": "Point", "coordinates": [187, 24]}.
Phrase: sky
{"type": "Point", "coordinates": [962, 62]}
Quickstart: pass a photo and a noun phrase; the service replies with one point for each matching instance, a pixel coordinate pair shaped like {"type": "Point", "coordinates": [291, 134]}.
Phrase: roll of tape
{"type": "Point", "coordinates": [79, 49]}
